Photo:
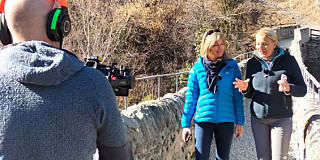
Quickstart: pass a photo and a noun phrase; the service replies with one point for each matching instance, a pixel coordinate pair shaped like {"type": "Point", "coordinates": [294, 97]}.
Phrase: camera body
{"type": "Point", "coordinates": [120, 78]}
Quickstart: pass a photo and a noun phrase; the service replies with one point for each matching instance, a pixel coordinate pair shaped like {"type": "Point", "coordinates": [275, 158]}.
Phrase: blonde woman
{"type": "Point", "coordinates": [272, 78]}
{"type": "Point", "coordinates": [213, 100]}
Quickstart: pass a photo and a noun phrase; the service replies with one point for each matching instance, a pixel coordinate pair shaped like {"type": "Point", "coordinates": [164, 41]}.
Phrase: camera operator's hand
{"type": "Point", "coordinates": [186, 134]}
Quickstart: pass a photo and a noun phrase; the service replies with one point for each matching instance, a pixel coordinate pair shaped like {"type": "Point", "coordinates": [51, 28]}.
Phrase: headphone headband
{"type": "Point", "coordinates": [61, 2]}
{"type": "Point", "coordinates": [2, 2]}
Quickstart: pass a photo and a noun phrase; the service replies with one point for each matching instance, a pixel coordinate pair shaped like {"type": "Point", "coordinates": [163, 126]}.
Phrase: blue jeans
{"type": "Point", "coordinates": [223, 133]}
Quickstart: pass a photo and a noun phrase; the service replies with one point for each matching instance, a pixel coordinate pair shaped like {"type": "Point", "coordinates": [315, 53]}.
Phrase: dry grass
{"type": "Point", "coordinates": [308, 8]}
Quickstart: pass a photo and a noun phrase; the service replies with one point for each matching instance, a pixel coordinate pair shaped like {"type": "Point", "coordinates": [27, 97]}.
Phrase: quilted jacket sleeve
{"type": "Point", "coordinates": [192, 94]}
{"type": "Point", "coordinates": [238, 101]}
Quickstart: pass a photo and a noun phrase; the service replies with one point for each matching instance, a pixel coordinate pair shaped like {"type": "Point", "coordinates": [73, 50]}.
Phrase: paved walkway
{"type": "Point", "coordinates": [286, 43]}
{"type": "Point", "coordinates": [244, 148]}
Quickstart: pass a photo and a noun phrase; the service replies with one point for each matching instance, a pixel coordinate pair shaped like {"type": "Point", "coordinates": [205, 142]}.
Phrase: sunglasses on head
{"type": "Point", "coordinates": [211, 31]}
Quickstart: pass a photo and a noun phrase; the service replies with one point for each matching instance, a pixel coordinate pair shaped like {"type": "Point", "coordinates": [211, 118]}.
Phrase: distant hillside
{"type": "Point", "coordinates": [307, 8]}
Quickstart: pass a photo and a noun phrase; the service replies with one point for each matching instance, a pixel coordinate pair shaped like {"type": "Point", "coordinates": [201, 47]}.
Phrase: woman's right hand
{"type": "Point", "coordinates": [186, 131]}
{"type": "Point", "coordinates": [242, 85]}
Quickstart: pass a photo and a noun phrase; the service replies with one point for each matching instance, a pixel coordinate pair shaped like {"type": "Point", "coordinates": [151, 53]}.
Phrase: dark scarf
{"type": "Point", "coordinates": [270, 58]}
{"type": "Point", "coordinates": [212, 71]}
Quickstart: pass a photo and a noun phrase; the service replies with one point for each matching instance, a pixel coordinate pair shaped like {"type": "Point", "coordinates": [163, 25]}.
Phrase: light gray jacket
{"type": "Point", "coordinates": [52, 107]}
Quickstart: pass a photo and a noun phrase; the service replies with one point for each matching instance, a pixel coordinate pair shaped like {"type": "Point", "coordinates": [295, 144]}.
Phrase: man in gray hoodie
{"type": "Point", "coordinates": [51, 106]}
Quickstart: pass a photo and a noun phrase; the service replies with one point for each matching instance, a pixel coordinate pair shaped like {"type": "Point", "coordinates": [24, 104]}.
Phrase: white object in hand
{"type": "Point", "coordinates": [283, 77]}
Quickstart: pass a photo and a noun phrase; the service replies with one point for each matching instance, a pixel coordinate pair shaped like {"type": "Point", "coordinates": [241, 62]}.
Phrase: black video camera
{"type": "Point", "coordinates": [119, 78]}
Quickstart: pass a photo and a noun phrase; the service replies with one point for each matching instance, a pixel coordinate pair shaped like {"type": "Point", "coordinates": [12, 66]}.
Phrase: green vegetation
{"type": "Point", "coordinates": [148, 97]}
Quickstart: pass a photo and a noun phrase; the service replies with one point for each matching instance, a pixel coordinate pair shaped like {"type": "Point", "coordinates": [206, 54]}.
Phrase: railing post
{"type": "Point", "coordinates": [312, 90]}
{"type": "Point", "coordinates": [125, 102]}
{"type": "Point", "coordinates": [308, 83]}
{"type": "Point", "coordinates": [177, 83]}
{"type": "Point", "coordinates": [310, 34]}
{"type": "Point", "coordinates": [319, 98]}
{"type": "Point", "coordinates": [159, 87]}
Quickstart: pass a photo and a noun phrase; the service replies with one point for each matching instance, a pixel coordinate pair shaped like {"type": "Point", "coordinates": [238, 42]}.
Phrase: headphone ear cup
{"type": "Point", "coordinates": [51, 28]}
{"type": "Point", "coordinates": [65, 25]}
{"type": "Point", "coordinates": [5, 35]}
{"type": "Point", "coordinates": [58, 24]}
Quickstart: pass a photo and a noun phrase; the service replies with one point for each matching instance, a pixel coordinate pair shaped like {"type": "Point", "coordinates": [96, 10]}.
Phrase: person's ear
{"type": "Point", "coordinates": [59, 22]}
{"type": "Point", "coordinates": [5, 35]}
{"type": "Point", "coordinates": [275, 44]}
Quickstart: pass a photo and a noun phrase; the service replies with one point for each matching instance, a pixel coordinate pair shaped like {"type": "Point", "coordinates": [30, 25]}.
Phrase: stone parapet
{"type": "Point", "coordinates": [306, 120]}
{"type": "Point", "coordinates": [286, 32]}
{"type": "Point", "coordinates": [153, 129]}
{"type": "Point", "coordinates": [312, 140]}
{"type": "Point", "coordinates": [313, 51]}
{"type": "Point", "coordinates": [306, 126]}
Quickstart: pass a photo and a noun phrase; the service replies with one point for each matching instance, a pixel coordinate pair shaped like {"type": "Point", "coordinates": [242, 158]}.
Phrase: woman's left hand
{"type": "Point", "coordinates": [238, 131]}
{"type": "Point", "coordinates": [283, 85]}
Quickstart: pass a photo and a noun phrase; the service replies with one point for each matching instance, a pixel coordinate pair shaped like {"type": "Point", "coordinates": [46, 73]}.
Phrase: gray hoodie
{"type": "Point", "coordinates": [52, 107]}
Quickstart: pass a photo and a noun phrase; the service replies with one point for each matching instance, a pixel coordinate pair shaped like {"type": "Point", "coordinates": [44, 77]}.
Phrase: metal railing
{"type": "Point", "coordinates": [159, 82]}
{"type": "Point", "coordinates": [243, 56]}
{"type": "Point", "coordinates": [314, 33]}
{"type": "Point", "coordinates": [238, 58]}
{"type": "Point", "coordinates": [313, 85]}
{"type": "Point", "coordinates": [164, 75]}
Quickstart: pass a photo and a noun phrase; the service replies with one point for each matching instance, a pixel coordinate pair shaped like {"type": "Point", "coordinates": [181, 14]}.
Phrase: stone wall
{"type": "Point", "coordinates": [313, 48]}
{"type": "Point", "coordinates": [153, 129]}
{"type": "Point", "coordinates": [286, 32]}
{"type": "Point", "coordinates": [313, 57]}
{"type": "Point", "coordinates": [299, 44]}
{"type": "Point", "coordinates": [306, 119]}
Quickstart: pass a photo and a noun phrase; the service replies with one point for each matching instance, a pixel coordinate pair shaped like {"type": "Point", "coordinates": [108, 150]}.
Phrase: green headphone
{"type": "Point", "coordinates": [58, 24]}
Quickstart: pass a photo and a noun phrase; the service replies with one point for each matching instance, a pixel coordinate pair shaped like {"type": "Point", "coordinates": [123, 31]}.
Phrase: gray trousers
{"type": "Point", "coordinates": [272, 137]}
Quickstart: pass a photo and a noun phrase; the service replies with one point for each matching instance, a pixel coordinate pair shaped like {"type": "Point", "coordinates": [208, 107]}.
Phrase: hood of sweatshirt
{"type": "Point", "coordinates": [38, 63]}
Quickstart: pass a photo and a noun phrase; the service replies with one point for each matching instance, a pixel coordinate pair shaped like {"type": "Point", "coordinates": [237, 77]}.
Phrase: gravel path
{"type": "Point", "coordinates": [242, 148]}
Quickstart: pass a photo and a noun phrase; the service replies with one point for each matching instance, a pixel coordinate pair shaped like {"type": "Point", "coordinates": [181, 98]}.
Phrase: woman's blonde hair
{"type": "Point", "coordinates": [268, 32]}
{"type": "Point", "coordinates": [210, 37]}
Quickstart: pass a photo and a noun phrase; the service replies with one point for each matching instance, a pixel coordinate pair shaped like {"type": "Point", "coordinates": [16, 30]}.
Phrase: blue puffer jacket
{"type": "Point", "coordinates": [226, 105]}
